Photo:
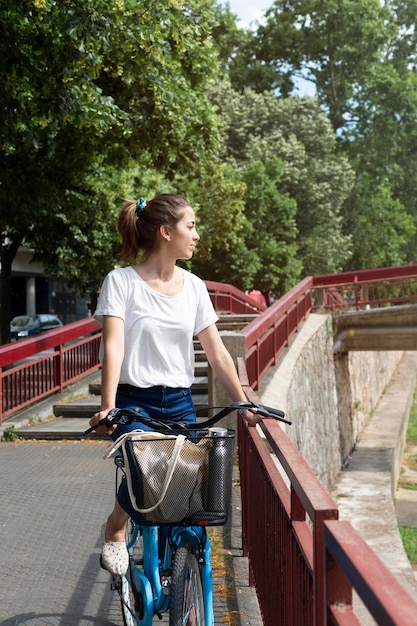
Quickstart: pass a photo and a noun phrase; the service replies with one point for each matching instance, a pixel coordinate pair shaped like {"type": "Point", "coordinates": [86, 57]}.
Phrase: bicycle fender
{"type": "Point", "coordinates": [144, 588]}
{"type": "Point", "coordinates": [187, 533]}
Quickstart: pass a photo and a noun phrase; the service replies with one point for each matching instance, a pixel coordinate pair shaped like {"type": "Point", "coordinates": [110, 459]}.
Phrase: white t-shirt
{"type": "Point", "coordinates": [158, 329]}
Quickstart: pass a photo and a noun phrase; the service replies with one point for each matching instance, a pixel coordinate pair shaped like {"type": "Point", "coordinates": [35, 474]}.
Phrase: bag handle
{"type": "Point", "coordinates": [136, 435]}
{"type": "Point", "coordinates": [172, 463]}
{"type": "Point", "coordinates": [113, 447]}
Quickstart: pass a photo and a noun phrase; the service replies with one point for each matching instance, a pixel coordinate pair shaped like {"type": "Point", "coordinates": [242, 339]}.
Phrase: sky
{"type": "Point", "coordinates": [248, 10]}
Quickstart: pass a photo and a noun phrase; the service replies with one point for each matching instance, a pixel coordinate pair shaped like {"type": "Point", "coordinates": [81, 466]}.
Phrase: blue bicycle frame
{"type": "Point", "coordinates": [148, 582]}
{"type": "Point", "coordinates": [151, 595]}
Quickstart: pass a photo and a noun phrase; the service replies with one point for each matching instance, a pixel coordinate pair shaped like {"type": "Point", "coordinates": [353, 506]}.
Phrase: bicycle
{"type": "Point", "coordinates": [170, 567]}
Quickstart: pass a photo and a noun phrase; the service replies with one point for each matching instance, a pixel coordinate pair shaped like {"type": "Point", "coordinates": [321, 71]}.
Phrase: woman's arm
{"type": "Point", "coordinates": [222, 363]}
{"type": "Point", "coordinates": [113, 352]}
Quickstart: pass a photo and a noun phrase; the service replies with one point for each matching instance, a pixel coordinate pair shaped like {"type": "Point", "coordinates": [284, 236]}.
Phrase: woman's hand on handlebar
{"type": "Point", "coordinates": [102, 430]}
{"type": "Point", "coordinates": [251, 418]}
{"type": "Point", "coordinates": [251, 412]}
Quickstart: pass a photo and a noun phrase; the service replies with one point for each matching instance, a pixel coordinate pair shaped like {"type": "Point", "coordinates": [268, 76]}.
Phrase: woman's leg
{"type": "Point", "coordinates": [116, 524]}
{"type": "Point", "coordinates": [114, 556]}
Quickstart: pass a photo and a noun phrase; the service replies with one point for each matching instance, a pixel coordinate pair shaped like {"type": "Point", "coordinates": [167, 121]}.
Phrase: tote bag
{"type": "Point", "coordinates": [172, 471]}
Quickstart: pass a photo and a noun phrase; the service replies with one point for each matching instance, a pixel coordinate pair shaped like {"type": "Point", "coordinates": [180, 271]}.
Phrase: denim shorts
{"type": "Point", "coordinates": [157, 402]}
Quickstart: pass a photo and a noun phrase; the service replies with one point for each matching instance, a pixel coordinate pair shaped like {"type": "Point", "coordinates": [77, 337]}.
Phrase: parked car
{"type": "Point", "coordinates": [30, 325]}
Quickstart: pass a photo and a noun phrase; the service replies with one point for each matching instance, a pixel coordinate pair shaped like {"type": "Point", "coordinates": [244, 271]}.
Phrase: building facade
{"type": "Point", "coordinates": [33, 292]}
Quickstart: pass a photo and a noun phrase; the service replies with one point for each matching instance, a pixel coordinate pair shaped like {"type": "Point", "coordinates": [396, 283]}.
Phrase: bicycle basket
{"type": "Point", "coordinates": [179, 479]}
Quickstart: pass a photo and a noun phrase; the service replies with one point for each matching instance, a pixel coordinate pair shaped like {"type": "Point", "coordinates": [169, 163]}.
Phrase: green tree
{"type": "Point", "coordinates": [335, 45]}
{"type": "Point", "coordinates": [237, 53]}
{"type": "Point", "coordinates": [272, 215]}
{"type": "Point", "coordinates": [258, 127]}
{"type": "Point", "coordinates": [378, 221]}
{"type": "Point", "coordinates": [84, 89]}
{"type": "Point", "coordinates": [247, 226]}
{"type": "Point", "coordinates": [218, 197]}
{"type": "Point", "coordinates": [361, 57]}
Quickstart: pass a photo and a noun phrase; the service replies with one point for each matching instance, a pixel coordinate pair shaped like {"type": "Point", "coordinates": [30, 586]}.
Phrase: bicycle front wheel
{"type": "Point", "coordinates": [127, 601]}
{"type": "Point", "coordinates": [187, 602]}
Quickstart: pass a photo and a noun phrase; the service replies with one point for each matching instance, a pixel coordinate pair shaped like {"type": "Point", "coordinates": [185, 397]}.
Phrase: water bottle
{"type": "Point", "coordinates": [219, 478]}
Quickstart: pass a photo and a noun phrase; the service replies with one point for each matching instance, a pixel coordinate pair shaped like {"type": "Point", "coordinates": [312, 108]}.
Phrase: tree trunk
{"type": "Point", "coordinates": [7, 254]}
{"type": "Point", "coordinates": [93, 301]}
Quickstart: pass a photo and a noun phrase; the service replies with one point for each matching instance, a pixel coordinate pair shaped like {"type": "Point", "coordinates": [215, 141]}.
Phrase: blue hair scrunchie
{"type": "Point", "coordinates": [140, 206]}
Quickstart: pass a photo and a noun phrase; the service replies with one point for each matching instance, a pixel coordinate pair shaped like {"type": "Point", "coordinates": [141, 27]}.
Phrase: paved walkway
{"type": "Point", "coordinates": [54, 497]}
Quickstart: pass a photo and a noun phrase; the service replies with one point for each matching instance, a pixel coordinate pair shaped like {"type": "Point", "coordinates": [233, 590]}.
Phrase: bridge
{"type": "Point", "coordinates": [322, 560]}
{"type": "Point", "coordinates": [387, 328]}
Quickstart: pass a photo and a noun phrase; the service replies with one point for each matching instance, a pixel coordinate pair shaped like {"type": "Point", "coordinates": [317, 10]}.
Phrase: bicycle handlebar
{"type": "Point", "coordinates": [127, 416]}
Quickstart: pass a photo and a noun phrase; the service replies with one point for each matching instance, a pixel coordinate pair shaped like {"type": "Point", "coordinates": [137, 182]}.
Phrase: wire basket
{"type": "Point", "coordinates": [180, 480]}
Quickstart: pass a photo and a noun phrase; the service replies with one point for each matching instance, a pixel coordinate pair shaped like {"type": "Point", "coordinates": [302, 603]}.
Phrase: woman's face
{"type": "Point", "coordinates": [184, 237]}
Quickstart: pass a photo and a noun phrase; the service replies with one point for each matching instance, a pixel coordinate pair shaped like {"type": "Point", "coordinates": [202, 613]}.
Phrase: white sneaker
{"type": "Point", "coordinates": [114, 556]}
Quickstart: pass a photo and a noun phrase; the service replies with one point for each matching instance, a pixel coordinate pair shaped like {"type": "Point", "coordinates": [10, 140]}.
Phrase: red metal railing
{"type": "Point", "coordinates": [304, 562]}
{"type": "Point", "coordinates": [350, 563]}
{"type": "Point", "coordinates": [34, 368]}
{"type": "Point", "coordinates": [269, 334]}
{"type": "Point", "coordinates": [229, 299]}
{"type": "Point", "coordinates": [365, 288]}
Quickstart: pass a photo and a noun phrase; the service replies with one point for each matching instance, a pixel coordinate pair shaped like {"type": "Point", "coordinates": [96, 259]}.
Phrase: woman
{"type": "Point", "coordinates": [150, 312]}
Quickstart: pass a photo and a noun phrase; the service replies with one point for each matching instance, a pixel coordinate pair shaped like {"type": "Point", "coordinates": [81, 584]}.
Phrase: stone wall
{"type": "Point", "coordinates": [361, 380]}
{"type": "Point", "coordinates": [328, 399]}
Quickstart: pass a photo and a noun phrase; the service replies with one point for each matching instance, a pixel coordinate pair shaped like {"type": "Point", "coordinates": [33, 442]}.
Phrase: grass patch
{"type": "Point", "coordinates": [231, 618]}
{"type": "Point", "coordinates": [412, 422]}
{"type": "Point", "coordinates": [408, 534]}
{"type": "Point", "coordinates": [225, 588]}
{"type": "Point", "coordinates": [409, 539]}
{"type": "Point", "coordinates": [9, 433]}
{"type": "Point", "coordinates": [218, 557]}
{"type": "Point", "coordinates": [407, 484]}
{"type": "Point", "coordinates": [412, 462]}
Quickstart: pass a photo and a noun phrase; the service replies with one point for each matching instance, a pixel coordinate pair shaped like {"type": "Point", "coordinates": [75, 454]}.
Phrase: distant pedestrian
{"type": "Point", "coordinates": [258, 296]}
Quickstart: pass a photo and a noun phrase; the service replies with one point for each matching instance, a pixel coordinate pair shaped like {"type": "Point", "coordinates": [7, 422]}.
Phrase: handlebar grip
{"type": "Point", "coordinates": [276, 412]}
{"type": "Point", "coordinates": [103, 422]}
{"type": "Point", "coordinates": [267, 411]}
